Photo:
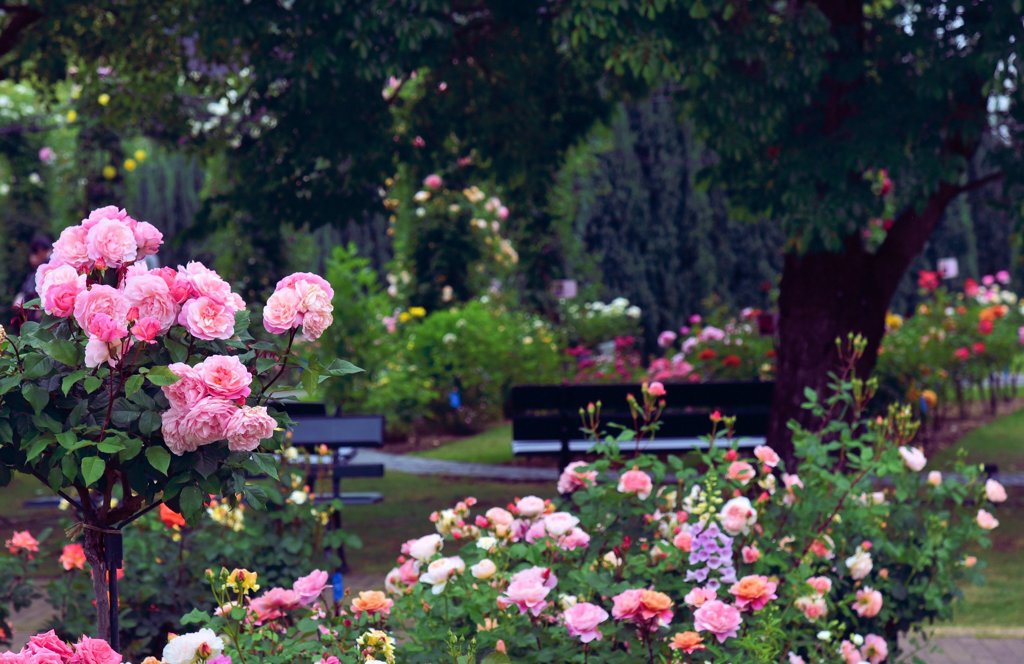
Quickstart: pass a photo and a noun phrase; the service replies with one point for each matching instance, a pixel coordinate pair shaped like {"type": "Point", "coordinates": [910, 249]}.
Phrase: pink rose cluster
{"type": "Point", "coordinates": [301, 299]}
{"type": "Point", "coordinates": [208, 404]}
{"type": "Point", "coordinates": [528, 590]}
{"type": "Point", "coordinates": [108, 238]}
{"type": "Point", "coordinates": [48, 648]}
{"type": "Point", "coordinates": [277, 603]}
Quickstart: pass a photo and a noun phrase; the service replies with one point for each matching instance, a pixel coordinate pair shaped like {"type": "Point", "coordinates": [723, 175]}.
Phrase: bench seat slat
{"type": "Point", "coordinates": [527, 447]}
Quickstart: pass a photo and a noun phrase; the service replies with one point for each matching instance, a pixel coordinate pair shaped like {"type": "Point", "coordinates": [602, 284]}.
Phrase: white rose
{"type": "Point", "coordinates": [530, 506]}
{"type": "Point", "coordinates": [426, 547]}
{"type": "Point", "coordinates": [859, 564]}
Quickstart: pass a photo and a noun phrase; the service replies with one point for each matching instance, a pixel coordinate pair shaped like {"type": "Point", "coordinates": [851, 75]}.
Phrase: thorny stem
{"type": "Point", "coordinates": [284, 364]}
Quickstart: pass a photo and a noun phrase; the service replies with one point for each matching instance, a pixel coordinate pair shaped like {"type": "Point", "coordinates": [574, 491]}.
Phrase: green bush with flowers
{"type": "Point", "coordinates": [750, 558]}
{"type": "Point", "coordinates": [166, 559]}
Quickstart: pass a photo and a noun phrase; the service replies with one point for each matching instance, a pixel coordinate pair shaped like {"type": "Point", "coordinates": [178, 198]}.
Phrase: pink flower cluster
{"type": "Point", "coordinates": [278, 602]}
{"type": "Point", "coordinates": [301, 299]}
{"type": "Point", "coordinates": [108, 238]}
{"type": "Point", "coordinates": [48, 648]}
{"type": "Point", "coordinates": [208, 404]}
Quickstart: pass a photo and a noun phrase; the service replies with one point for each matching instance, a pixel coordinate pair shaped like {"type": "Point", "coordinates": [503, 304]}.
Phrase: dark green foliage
{"type": "Point", "coordinates": [639, 224]}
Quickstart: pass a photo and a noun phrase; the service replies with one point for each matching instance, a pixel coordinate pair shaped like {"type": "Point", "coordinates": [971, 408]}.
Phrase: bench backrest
{"type": "Point", "coordinates": [545, 412]}
{"type": "Point", "coordinates": [346, 431]}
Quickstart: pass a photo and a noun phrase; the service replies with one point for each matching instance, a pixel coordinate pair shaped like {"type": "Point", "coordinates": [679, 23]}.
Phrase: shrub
{"type": "Point", "coordinates": [734, 557]}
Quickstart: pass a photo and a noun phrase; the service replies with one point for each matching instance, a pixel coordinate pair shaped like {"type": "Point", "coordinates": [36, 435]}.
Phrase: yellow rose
{"type": "Point", "coordinates": [140, 155]}
{"type": "Point", "coordinates": [109, 172]}
{"type": "Point", "coordinates": [103, 99]}
{"type": "Point", "coordinates": [130, 164]}
{"type": "Point", "coordinates": [72, 115]}
{"type": "Point", "coordinates": [417, 312]}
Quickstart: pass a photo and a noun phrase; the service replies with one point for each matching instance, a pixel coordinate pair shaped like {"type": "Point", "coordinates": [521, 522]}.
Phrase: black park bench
{"type": "Point", "coordinates": [342, 436]}
{"type": "Point", "coordinates": [546, 418]}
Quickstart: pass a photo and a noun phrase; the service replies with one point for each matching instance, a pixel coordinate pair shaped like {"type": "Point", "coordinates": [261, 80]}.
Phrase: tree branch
{"type": "Point", "coordinates": [980, 182]}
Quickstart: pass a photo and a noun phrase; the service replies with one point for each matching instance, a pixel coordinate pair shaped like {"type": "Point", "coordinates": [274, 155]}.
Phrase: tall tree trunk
{"type": "Point", "coordinates": [825, 296]}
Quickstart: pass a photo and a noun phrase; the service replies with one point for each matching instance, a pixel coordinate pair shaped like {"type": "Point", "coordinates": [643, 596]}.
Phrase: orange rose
{"type": "Point", "coordinates": [373, 602]}
{"type": "Point", "coordinates": [688, 642]}
{"type": "Point", "coordinates": [170, 518]}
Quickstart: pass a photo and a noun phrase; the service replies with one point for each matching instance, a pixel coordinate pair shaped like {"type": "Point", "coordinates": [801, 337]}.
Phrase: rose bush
{"type": "Point", "coordinates": [747, 559]}
{"type": "Point", "coordinates": [144, 386]}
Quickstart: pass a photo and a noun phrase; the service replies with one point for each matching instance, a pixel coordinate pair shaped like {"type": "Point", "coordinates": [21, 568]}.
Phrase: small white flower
{"type": "Point", "coordinates": [184, 649]}
{"type": "Point", "coordinates": [824, 635]}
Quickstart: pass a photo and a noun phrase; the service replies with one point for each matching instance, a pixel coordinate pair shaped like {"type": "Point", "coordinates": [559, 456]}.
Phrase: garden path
{"type": "Point", "coordinates": [966, 649]}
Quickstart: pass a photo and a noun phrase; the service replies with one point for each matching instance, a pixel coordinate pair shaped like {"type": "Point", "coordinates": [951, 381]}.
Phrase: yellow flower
{"type": "Point", "coordinates": [893, 321]}
{"type": "Point", "coordinates": [103, 99]}
{"type": "Point", "coordinates": [130, 164]}
{"type": "Point", "coordinates": [417, 312]}
{"type": "Point", "coordinates": [931, 399]}
{"type": "Point", "coordinates": [109, 172]}
{"type": "Point", "coordinates": [242, 580]}
{"type": "Point", "coordinates": [140, 155]}
{"type": "Point", "coordinates": [404, 317]}
{"type": "Point", "coordinates": [72, 115]}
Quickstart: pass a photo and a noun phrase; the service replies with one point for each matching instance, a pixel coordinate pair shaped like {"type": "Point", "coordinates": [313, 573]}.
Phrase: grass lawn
{"type": "Point", "coordinates": [491, 446]}
{"type": "Point", "coordinates": [1000, 602]}
{"type": "Point", "coordinates": [1000, 442]}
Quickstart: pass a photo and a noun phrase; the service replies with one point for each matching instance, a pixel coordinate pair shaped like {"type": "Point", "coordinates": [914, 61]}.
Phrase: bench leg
{"type": "Point", "coordinates": [564, 456]}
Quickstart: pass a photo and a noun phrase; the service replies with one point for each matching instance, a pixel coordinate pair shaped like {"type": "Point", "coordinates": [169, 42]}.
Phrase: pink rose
{"type": "Point", "coordinates": [501, 517]}
{"type": "Point", "coordinates": [314, 324]}
{"type": "Point", "coordinates": [70, 248]}
{"type": "Point", "coordinates": [699, 596]}
{"type": "Point", "coordinates": [737, 516]}
{"type": "Point", "coordinates": [559, 523]}
{"type": "Point", "coordinates": [683, 540]}
{"type": "Point", "coordinates": [206, 423]}
{"type": "Point", "coordinates": [766, 455]}
{"type": "Point", "coordinates": [986, 520]}
{"type": "Point", "coordinates": [147, 238]}
{"type": "Point", "coordinates": [875, 649]}
{"type": "Point", "coordinates": [149, 294]}
{"type": "Point", "coordinates": [741, 471]}
{"type": "Point", "coordinates": [204, 282]}
{"type": "Point", "coordinates": [107, 212]}
{"type": "Point", "coordinates": [636, 481]}
{"type": "Point", "coordinates": [530, 506]}
{"type": "Point", "coordinates": [813, 608]}
{"type": "Point", "coordinates": [54, 273]}
{"type": "Point", "coordinates": [106, 329]}
{"type": "Point", "coordinates": [249, 427]}
{"type": "Point", "coordinates": [433, 181]}
{"type": "Point", "coordinates": [49, 642]}
{"type": "Point", "coordinates": [582, 620]}
{"type": "Point", "coordinates": [59, 299]}
{"type": "Point", "coordinates": [821, 584]}
{"type": "Point", "coordinates": [94, 651]}
{"type": "Point", "coordinates": [225, 376]}
{"type": "Point", "coordinates": [274, 604]}
{"type": "Point", "coordinates": [572, 479]}
{"type": "Point", "coordinates": [849, 653]}
{"type": "Point", "coordinates": [868, 602]}
{"type": "Point", "coordinates": [995, 491]}
{"type": "Point", "coordinates": [281, 311]}
{"type": "Point", "coordinates": [111, 243]}
{"type": "Point", "coordinates": [96, 353]}
{"type": "Point", "coordinates": [177, 283]}
{"type": "Point", "coordinates": [146, 330]}
{"type": "Point", "coordinates": [626, 605]}
{"type": "Point", "coordinates": [753, 592]}
{"type": "Point", "coordinates": [656, 389]}
{"type": "Point", "coordinates": [751, 554]}
{"type": "Point", "coordinates": [575, 539]}
{"type": "Point", "coordinates": [527, 590]}
{"type": "Point", "coordinates": [309, 587]}
{"type": "Point", "coordinates": [309, 277]}
{"type": "Point", "coordinates": [100, 299]}
{"type": "Point", "coordinates": [207, 319]}
{"type": "Point", "coordinates": [188, 390]}
{"type": "Point", "coordinates": [170, 429]}
{"type": "Point", "coordinates": [717, 617]}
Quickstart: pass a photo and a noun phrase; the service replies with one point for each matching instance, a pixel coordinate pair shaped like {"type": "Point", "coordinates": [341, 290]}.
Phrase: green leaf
{"type": "Point", "coordinates": [92, 469]}
{"type": "Point", "coordinates": [70, 441]}
{"type": "Point", "coordinates": [196, 617]}
{"type": "Point", "coordinates": [92, 383]}
{"type": "Point", "coordinates": [69, 465]}
{"type": "Point", "coordinates": [111, 445]}
{"type": "Point", "coordinates": [9, 383]}
{"type": "Point", "coordinates": [159, 458]}
{"type": "Point", "coordinates": [162, 376]}
{"type": "Point", "coordinates": [177, 350]}
{"type": "Point", "coordinates": [36, 365]}
{"type": "Point", "coordinates": [341, 368]}
{"type": "Point", "coordinates": [191, 502]}
{"type": "Point", "coordinates": [310, 379]}
{"type": "Point", "coordinates": [496, 658]}
{"type": "Point", "coordinates": [265, 364]}
{"type": "Point", "coordinates": [55, 478]}
{"type": "Point", "coordinates": [70, 380]}
{"type": "Point", "coordinates": [65, 352]}
{"type": "Point", "coordinates": [37, 447]}
{"type": "Point", "coordinates": [256, 496]}
{"type": "Point", "coordinates": [132, 447]}
{"type": "Point", "coordinates": [36, 396]}
{"type": "Point", "coordinates": [133, 384]}
{"type": "Point", "coordinates": [124, 412]}
{"type": "Point", "coordinates": [149, 421]}
{"type": "Point", "coordinates": [266, 464]}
